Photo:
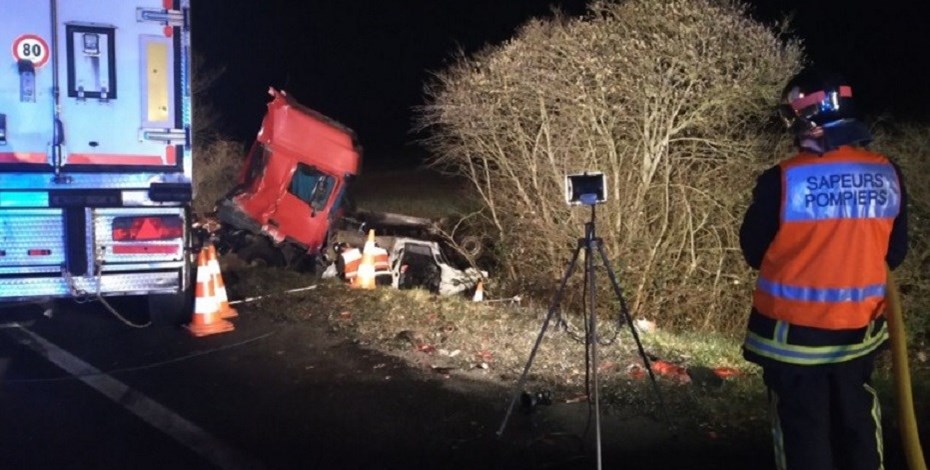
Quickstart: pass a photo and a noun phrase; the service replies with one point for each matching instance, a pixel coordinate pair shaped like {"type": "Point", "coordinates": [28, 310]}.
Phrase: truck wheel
{"type": "Point", "coordinates": [171, 309]}
{"type": "Point", "coordinates": [260, 253]}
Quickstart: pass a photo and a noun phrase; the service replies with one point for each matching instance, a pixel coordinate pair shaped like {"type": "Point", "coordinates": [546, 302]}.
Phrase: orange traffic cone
{"type": "Point", "coordinates": [365, 278]}
{"type": "Point", "coordinates": [226, 310]}
{"type": "Point", "coordinates": [206, 320]}
{"type": "Point", "coordinates": [479, 292]}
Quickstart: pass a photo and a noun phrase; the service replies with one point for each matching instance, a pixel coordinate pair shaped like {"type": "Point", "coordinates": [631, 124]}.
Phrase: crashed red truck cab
{"type": "Point", "coordinates": [288, 207]}
{"type": "Point", "coordinates": [292, 186]}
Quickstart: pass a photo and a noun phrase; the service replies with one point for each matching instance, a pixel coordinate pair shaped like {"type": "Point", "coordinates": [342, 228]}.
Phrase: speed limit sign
{"type": "Point", "coordinates": [32, 48]}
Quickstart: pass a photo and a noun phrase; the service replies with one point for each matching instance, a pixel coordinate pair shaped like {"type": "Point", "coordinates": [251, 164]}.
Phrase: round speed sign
{"type": "Point", "coordinates": [32, 48]}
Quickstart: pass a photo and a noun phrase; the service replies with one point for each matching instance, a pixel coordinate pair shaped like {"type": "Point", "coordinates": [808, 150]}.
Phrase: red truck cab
{"type": "Point", "coordinates": [292, 186]}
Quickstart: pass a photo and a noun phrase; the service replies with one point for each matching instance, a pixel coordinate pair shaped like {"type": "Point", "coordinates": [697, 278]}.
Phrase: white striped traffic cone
{"type": "Point", "coordinates": [365, 278]}
{"type": "Point", "coordinates": [222, 299]}
{"type": "Point", "coordinates": [479, 292]}
{"type": "Point", "coordinates": [206, 319]}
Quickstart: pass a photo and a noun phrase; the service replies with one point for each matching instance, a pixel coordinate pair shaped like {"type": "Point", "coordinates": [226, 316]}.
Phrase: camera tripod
{"type": "Point", "coordinates": [590, 242]}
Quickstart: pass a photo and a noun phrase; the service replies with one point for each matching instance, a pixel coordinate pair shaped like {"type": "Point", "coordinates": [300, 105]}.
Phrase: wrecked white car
{"type": "Point", "coordinates": [414, 264]}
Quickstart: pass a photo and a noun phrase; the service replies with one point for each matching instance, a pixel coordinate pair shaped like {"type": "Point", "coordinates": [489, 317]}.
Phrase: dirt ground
{"type": "Point", "coordinates": [457, 416]}
{"type": "Point", "coordinates": [418, 417]}
{"type": "Point", "coordinates": [455, 409]}
{"type": "Point", "coordinates": [454, 414]}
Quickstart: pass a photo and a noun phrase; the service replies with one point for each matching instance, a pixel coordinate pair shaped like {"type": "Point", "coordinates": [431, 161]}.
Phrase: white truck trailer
{"type": "Point", "coordinates": [95, 151]}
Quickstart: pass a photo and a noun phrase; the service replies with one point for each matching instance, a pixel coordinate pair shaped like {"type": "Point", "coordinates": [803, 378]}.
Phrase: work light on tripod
{"type": "Point", "coordinates": [586, 189]}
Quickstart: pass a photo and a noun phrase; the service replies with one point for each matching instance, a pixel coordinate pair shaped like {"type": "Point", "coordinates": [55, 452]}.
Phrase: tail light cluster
{"type": "Point", "coordinates": [145, 228]}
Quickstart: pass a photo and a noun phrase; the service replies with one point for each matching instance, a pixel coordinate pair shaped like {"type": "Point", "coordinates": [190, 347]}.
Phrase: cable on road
{"type": "Point", "coordinates": [81, 296]}
{"type": "Point", "coordinates": [144, 366]}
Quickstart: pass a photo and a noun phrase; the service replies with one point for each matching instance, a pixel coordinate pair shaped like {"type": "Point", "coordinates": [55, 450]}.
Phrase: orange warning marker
{"type": "Point", "coordinates": [365, 278]}
{"type": "Point", "coordinates": [219, 288]}
{"type": "Point", "coordinates": [479, 292]}
{"type": "Point", "coordinates": [206, 320]}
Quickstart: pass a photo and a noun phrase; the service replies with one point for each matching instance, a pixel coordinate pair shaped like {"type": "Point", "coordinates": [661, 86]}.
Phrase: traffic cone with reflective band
{"type": "Point", "coordinates": [226, 310]}
{"type": "Point", "coordinates": [206, 319]}
{"type": "Point", "coordinates": [351, 258]}
{"type": "Point", "coordinates": [479, 292]}
{"type": "Point", "coordinates": [365, 278]}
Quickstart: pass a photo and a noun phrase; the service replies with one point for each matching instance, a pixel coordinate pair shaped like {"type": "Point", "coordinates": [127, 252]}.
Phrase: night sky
{"type": "Point", "coordinates": [364, 62]}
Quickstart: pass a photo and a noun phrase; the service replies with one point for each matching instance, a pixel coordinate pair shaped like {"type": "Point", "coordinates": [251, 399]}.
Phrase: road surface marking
{"type": "Point", "coordinates": [152, 412]}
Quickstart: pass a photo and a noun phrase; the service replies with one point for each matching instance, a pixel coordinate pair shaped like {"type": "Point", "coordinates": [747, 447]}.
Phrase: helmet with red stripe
{"type": "Point", "coordinates": [819, 108]}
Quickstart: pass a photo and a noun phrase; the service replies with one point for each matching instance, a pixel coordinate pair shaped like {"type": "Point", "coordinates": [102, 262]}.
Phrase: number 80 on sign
{"type": "Point", "coordinates": [32, 48]}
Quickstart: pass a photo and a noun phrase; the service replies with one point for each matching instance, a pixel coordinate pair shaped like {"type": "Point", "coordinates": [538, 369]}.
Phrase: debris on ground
{"type": "Point", "coordinates": [452, 335]}
{"type": "Point", "coordinates": [699, 375]}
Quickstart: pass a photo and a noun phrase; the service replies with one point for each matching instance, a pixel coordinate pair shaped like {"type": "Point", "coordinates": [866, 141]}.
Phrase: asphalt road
{"type": "Point", "coordinates": [82, 390]}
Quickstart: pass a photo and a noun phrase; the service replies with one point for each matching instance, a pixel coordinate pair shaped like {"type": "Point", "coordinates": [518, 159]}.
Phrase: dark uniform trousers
{"type": "Point", "coordinates": [825, 417]}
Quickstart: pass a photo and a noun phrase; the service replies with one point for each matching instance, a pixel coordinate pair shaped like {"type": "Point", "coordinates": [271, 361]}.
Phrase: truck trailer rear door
{"type": "Point", "coordinates": [95, 155]}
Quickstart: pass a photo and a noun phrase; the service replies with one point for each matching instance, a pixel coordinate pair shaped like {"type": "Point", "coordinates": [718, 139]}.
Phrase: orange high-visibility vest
{"type": "Point", "coordinates": [825, 268]}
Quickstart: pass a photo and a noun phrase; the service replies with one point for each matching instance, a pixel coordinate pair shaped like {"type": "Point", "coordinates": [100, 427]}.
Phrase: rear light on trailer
{"type": "Point", "coordinates": [158, 227]}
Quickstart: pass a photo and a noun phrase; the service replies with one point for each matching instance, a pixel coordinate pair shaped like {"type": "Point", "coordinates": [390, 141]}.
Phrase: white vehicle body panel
{"type": "Point", "coordinates": [451, 280]}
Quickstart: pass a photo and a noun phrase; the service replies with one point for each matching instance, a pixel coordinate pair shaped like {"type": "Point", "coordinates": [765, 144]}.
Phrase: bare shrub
{"type": "Point", "coordinates": [909, 146]}
{"type": "Point", "coordinates": [215, 171]}
{"type": "Point", "coordinates": [669, 99]}
{"type": "Point", "coordinates": [206, 117]}
{"type": "Point", "coordinates": [216, 158]}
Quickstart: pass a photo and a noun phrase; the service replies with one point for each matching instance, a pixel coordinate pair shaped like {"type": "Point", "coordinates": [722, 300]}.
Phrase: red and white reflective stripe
{"type": "Point", "coordinates": [169, 159]}
{"type": "Point", "coordinates": [816, 97]}
{"type": "Point", "coordinates": [23, 157]}
{"type": "Point", "coordinates": [382, 263]}
{"type": "Point", "coordinates": [145, 249]}
{"type": "Point", "coordinates": [351, 260]}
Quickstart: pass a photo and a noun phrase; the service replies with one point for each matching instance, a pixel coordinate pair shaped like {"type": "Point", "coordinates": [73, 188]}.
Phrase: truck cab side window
{"type": "Point", "coordinates": [311, 186]}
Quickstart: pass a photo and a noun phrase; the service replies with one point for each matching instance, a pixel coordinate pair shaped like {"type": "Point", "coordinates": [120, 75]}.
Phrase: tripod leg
{"type": "Point", "coordinates": [591, 344]}
{"type": "Point", "coordinates": [556, 300]}
{"type": "Point", "coordinates": [629, 321]}
{"type": "Point", "coordinates": [590, 335]}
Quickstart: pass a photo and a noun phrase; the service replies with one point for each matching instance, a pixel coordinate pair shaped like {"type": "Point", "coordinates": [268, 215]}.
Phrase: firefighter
{"type": "Point", "coordinates": [820, 229]}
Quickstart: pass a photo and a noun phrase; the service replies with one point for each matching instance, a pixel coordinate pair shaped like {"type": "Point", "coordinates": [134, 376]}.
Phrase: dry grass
{"type": "Point", "coordinates": [491, 341]}
{"type": "Point", "coordinates": [420, 193]}
{"type": "Point", "coordinates": [909, 146]}
{"type": "Point", "coordinates": [216, 168]}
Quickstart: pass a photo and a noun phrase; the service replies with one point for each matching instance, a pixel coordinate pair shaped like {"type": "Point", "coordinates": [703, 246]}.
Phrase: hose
{"type": "Point", "coordinates": [902, 379]}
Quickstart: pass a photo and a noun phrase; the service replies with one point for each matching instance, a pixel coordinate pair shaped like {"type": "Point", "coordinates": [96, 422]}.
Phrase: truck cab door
{"type": "Point", "coordinates": [302, 213]}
